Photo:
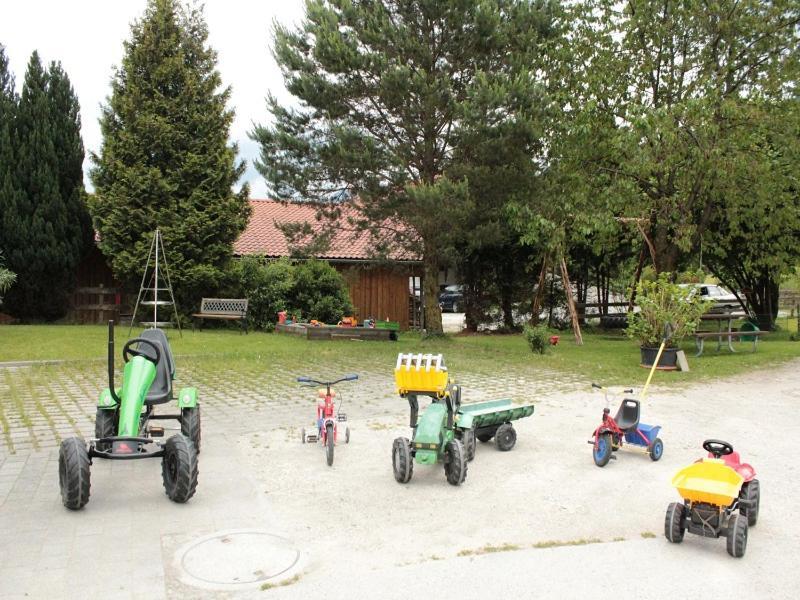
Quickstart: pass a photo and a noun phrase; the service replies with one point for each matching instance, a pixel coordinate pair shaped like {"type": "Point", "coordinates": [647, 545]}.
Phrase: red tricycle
{"type": "Point", "coordinates": [328, 417]}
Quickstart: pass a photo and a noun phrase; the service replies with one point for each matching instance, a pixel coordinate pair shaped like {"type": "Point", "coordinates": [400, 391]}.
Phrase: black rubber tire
{"type": "Point", "coordinates": [656, 450]}
{"type": "Point", "coordinates": [402, 461]}
{"type": "Point", "coordinates": [190, 425]}
{"type": "Point", "coordinates": [455, 463]}
{"type": "Point", "coordinates": [179, 468]}
{"type": "Point", "coordinates": [675, 522]}
{"type": "Point", "coordinates": [303, 433]}
{"type": "Point", "coordinates": [329, 444]}
{"type": "Point", "coordinates": [485, 437]}
{"type": "Point", "coordinates": [105, 425]}
{"type": "Point", "coordinates": [470, 444]}
{"type": "Point", "coordinates": [602, 457]}
{"type": "Point", "coordinates": [751, 491]}
{"type": "Point", "coordinates": [346, 434]}
{"type": "Point", "coordinates": [73, 473]}
{"type": "Point", "coordinates": [737, 535]}
{"type": "Point", "coordinates": [505, 438]}
{"type": "Point", "coordinates": [454, 308]}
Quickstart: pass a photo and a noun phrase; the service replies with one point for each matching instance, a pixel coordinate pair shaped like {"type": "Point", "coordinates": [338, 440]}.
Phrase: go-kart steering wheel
{"type": "Point", "coordinates": [717, 448]}
{"type": "Point", "coordinates": [126, 350]}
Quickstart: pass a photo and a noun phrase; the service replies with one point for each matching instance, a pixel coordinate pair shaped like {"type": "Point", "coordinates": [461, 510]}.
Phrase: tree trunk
{"type": "Point", "coordinates": [636, 277]}
{"type": "Point", "coordinates": [763, 298]}
{"type": "Point", "coordinates": [430, 292]}
{"type": "Point", "coordinates": [576, 328]}
{"type": "Point", "coordinates": [537, 299]}
{"type": "Point", "coordinates": [666, 252]}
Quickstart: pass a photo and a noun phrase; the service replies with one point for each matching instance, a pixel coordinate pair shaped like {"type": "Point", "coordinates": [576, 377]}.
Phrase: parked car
{"type": "Point", "coordinates": [723, 299]}
{"type": "Point", "coordinates": [452, 299]}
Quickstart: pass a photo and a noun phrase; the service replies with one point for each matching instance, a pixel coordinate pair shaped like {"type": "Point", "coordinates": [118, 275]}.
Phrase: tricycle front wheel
{"type": "Point", "coordinates": [602, 450]}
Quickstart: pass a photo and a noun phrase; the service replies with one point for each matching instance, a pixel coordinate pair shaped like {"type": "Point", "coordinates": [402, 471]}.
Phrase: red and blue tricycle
{"type": "Point", "coordinates": [328, 417]}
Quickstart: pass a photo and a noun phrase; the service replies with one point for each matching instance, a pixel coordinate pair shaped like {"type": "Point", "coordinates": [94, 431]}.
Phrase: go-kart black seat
{"type": "Point", "coordinates": [161, 388]}
{"type": "Point", "coordinates": [628, 414]}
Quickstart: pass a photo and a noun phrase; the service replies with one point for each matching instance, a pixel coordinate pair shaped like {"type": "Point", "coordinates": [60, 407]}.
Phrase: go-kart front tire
{"type": "Point", "coordinates": [73, 473]}
{"type": "Point", "coordinates": [674, 523]}
{"type": "Point", "coordinates": [455, 463]}
{"type": "Point", "coordinates": [402, 461]}
{"type": "Point", "coordinates": [179, 468]}
{"type": "Point", "coordinates": [751, 492]}
{"type": "Point", "coordinates": [601, 451]}
{"type": "Point", "coordinates": [737, 535]}
{"type": "Point", "coordinates": [190, 425]}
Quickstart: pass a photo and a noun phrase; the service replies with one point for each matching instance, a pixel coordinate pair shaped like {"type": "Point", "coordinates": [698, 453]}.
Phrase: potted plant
{"type": "Point", "coordinates": [663, 303]}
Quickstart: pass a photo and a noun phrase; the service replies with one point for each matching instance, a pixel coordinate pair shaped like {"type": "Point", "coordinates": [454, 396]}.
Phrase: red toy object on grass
{"type": "Point", "coordinates": [554, 340]}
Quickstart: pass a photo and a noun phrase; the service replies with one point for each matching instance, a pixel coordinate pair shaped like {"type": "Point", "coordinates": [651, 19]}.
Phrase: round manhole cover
{"type": "Point", "coordinates": [237, 559]}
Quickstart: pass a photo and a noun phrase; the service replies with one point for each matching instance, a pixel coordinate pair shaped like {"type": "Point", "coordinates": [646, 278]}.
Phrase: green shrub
{"type": "Point", "coordinates": [537, 338]}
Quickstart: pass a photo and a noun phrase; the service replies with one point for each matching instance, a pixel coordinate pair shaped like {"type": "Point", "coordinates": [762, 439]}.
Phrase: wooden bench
{"type": "Point", "coordinates": [701, 336]}
{"type": "Point", "coordinates": [225, 309]}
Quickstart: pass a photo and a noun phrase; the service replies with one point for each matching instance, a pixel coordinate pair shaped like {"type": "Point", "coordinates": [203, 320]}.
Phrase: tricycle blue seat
{"type": "Point", "coordinates": [649, 431]}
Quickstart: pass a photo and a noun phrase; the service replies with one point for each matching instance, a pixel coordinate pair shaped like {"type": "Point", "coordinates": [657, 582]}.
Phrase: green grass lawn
{"type": "Point", "coordinates": [605, 357]}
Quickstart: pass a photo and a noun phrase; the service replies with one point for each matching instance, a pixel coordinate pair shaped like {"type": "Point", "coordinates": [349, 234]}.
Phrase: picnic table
{"type": "Point", "coordinates": [724, 321]}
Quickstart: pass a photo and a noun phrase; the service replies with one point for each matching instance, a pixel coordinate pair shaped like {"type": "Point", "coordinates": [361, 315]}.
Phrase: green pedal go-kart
{"type": "Point", "coordinates": [123, 426]}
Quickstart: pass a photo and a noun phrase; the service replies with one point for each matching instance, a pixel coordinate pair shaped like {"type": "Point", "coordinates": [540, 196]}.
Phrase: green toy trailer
{"type": "Point", "coordinates": [446, 431]}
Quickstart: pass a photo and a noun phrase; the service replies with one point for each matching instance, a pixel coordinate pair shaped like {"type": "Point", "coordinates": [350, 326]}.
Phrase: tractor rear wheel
{"type": "Point", "coordinates": [105, 425]}
{"type": "Point", "coordinates": [329, 442]}
{"type": "Point", "coordinates": [190, 425]}
{"type": "Point", "coordinates": [751, 492]}
{"type": "Point", "coordinates": [737, 535]}
{"type": "Point", "coordinates": [506, 437]}
{"type": "Point", "coordinates": [602, 450]}
{"type": "Point", "coordinates": [73, 473]}
{"type": "Point", "coordinates": [455, 463]}
{"type": "Point", "coordinates": [675, 522]}
{"type": "Point", "coordinates": [656, 449]}
{"type": "Point", "coordinates": [485, 437]}
{"type": "Point", "coordinates": [402, 461]}
{"type": "Point", "coordinates": [179, 468]}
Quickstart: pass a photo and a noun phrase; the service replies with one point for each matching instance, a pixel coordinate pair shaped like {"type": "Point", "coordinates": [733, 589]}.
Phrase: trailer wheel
{"type": "Point", "coordinates": [402, 462]}
{"type": "Point", "coordinates": [485, 437]}
{"type": "Point", "coordinates": [73, 473]}
{"type": "Point", "coordinates": [737, 535]}
{"type": "Point", "coordinates": [751, 492]}
{"type": "Point", "coordinates": [105, 425]}
{"type": "Point", "coordinates": [675, 522]}
{"type": "Point", "coordinates": [179, 468]}
{"type": "Point", "coordinates": [602, 450]}
{"type": "Point", "coordinates": [505, 437]}
{"type": "Point", "coordinates": [190, 425]}
{"type": "Point", "coordinates": [455, 464]}
{"type": "Point", "coordinates": [656, 449]}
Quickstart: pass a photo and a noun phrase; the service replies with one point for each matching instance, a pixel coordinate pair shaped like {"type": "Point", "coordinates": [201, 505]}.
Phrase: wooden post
{"type": "Point", "coordinates": [537, 298]}
{"type": "Point", "coordinates": [576, 328]}
{"type": "Point", "coordinates": [636, 277]}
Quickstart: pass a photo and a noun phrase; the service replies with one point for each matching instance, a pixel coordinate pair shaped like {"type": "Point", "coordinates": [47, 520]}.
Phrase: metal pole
{"type": "Point", "coordinates": [155, 293]}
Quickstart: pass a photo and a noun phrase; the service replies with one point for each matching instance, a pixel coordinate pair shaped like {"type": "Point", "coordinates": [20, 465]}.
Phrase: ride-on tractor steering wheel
{"type": "Point", "coordinates": [126, 350]}
{"type": "Point", "coordinates": [717, 448]}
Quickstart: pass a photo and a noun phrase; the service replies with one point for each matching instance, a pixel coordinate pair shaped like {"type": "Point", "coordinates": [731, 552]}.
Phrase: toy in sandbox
{"type": "Point", "coordinates": [329, 415]}
{"type": "Point", "coordinates": [446, 430]}
{"type": "Point", "coordinates": [123, 425]}
{"type": "Point", "coordinates": [721, 496]}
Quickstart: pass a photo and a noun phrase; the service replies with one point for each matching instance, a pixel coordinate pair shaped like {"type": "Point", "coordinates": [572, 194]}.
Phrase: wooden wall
{"type": "Point", "coordinates": [97, 297]}
{"type": "Point", "coordinates": [379, 292]}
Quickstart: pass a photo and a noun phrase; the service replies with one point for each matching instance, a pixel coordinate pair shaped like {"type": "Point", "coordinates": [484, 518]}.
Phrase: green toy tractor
{"type": "Point", "coordinates": [446, 431]}
{"type": "Point", "coordinates": [124, 428]}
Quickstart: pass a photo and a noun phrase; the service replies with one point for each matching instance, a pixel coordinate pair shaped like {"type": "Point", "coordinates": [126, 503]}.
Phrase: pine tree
{"type": "Point", "coordinates": [165, 161]}
{"type": "Point", "coordinates": [8, 191]}
{"type": "Point", "coordinates": [42, 230]}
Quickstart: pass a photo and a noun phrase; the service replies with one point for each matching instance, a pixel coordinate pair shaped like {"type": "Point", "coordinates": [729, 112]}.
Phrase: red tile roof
{"type": "Point", "coordinates": [262, 235]}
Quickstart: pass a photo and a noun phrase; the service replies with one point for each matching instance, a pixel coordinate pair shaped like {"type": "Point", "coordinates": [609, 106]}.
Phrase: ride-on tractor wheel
{"type": "Point", "coordinates": [190, 425]}
{"type": "Point", "coordinates": [751, 492]}
{"type": "Point", "coordinates": [470, 444]}
{"type": "Point", "coordinates": [485, 437]}
{"type": "Point", "coordinates": [656, 449]}
{"type": "Point", "coordinates": [737, 535]}
{"type": "Point", "coordinates": [73, 473]}
{"type": "Point", "coordinates": [402, 461]}
{"type": "Point", "coordinates": [105, 425]}
{"type": "Point", "coordinates": [455, 462]}
{"type": "Point", "coordinates": [329, 442]}
{"type": "Point", "coordinates": [675, 522]}
{"type": "Point", "coordinates": [602, 450]}
{"type": "Point", "coordinates": [505, 437]}
{"type": "Point", "coordinates": [179, 468]}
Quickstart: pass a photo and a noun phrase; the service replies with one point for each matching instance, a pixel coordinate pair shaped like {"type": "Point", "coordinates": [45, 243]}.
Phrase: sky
{"type": "Point", "coordinates": [87, 35]}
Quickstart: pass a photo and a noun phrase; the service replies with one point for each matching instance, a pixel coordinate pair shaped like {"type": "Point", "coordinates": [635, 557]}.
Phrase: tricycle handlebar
{"type": "Point", "coordinates": [350, 377]}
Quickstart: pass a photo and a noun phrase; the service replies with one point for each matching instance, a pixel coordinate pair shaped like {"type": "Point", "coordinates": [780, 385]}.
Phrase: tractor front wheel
{"type": "Point", "coordinates": [737, 535]}
{"type": "Point", "coordinates": [179, 468]}
{"type": "Point", "coordinates": [402, 461]}
{"type": "Point", "coordinates": [73, 473]}
{"type": "Point", "coordinates": [751, 492]}
{"type": "Point", "coordinates": [675, 522]}
{"type": "Point", "coordinates": [455, 463]}
{"type": "Point", "coordinates": [105, 425]}
{"type": "Point", "coordinates": [506, 437]}
{"type": "Point", "coordinates": [602, 449]}
{"type": "Point", "coordinates": [329, 442]}
{"type": "Point", "coordinates": [190, 425]}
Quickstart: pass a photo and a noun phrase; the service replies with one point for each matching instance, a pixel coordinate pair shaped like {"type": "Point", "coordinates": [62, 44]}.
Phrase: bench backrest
{"type": "Point", "coordinates": [224, 306]}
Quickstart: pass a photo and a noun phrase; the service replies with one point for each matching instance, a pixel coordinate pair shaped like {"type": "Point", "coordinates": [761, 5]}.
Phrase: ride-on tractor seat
{"type": "Point", "coordinates": [161, 389]}
{"type": "Point", "coordinates": [628, 414]}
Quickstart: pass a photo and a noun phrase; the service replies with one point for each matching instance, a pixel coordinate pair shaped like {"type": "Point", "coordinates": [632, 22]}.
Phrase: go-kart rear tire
{"type": "Point", "coordinates": [190, 425]}
{"type": "Point", "coordinates": [73, 473]}
{"type": "Point", "coordinates": [656, 450]}
{"type": "Point", "coordinates": [179, 468]}
{"type": "Point", "coordinates": [601, 451]}
{"type": "Point", "coordinates": [506, 437]}
{"type": "Point", "coordinates": [402, 461]}
{"type": "Point", "coordinates": [105, 425]}
{"type": "Point", "coordinates": [455, 462]}
{"type": "Point", "coordinates": [737, 535]}
{"type": "Point", "coordinates": [751, 491]}
{"type": "Point", "coordinates": [675, 522]}
{"type": "Point", "coordinates": [485, 437]}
